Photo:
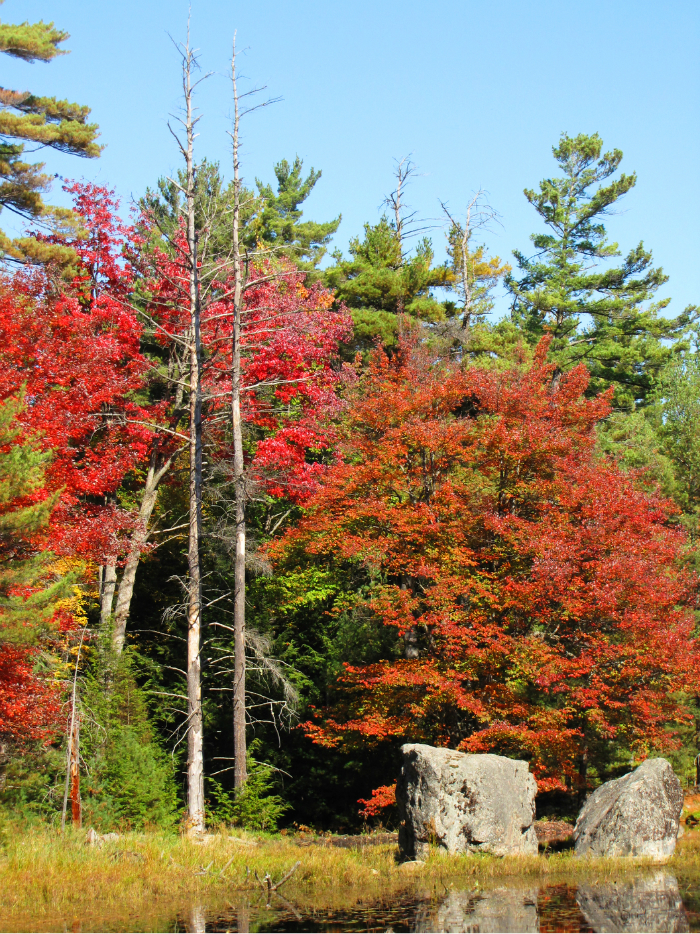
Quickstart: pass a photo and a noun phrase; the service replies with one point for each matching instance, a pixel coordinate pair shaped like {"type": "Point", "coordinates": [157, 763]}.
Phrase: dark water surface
{"type": "Point", "coordinates": [648, 902]}
{"type": "Point", "coordinates": [635, 901]}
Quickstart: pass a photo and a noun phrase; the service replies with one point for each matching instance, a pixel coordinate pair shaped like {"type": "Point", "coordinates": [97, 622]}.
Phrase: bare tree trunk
{"type": "Point", "coordinates": [195, 734]}
{"type": "Point", "coordinates": [138, 540]}
{"type": "Point", "coordinates": [75, 802]}
{"type": "Point", "coordinates": [72, 786]}
{"type": "Point", "coordinates": [109, 582]}
{"type": "Point", "coordinates": [239, 675]}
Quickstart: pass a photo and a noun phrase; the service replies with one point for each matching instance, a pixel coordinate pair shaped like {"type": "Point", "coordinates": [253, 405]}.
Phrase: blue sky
{"type": "Point", "coordinates": [477, 92]}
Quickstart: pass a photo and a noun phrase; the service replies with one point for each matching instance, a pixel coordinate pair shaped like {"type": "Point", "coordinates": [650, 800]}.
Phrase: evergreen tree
{"type": "Point", "coordinates": [46, 121]}
{"type": "Point", "coordinates": [598, 312]}
{"type": "Point", "coordinates": [268, 219]}
{"type": "Point", "coordinates": [132, 780]}
{"type": "Point", "coordinates": [27, 594]}
{"type": "Point", "coordinates": [279, 224]}
{"type": "Point", "coordinates": [380, 282]}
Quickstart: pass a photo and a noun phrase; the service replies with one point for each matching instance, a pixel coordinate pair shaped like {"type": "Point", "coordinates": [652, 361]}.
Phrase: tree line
{"type": "Point", "coordinates": [268, 513]}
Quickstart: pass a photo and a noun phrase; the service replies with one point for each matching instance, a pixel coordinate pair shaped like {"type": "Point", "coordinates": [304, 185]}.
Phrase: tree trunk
{"type": "Point", "coordinates": [138, 541]}
{"type": "Point", "coordinates": [109, 582]}
{"type": "Point", "coordinates": [582, 777]}
{"type": "Point", "coordinates": [72, 786]}
{"type": "Point", "coordinates": [195, 735]}
{"type": "Point", "coordinates": [240, 773]}
{"type": "Point", "coordinates": [75, 801]}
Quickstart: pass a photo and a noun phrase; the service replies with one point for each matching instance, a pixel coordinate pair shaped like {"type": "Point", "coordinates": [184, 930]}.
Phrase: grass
{"type": "Point", "coordinates": [48, 880]}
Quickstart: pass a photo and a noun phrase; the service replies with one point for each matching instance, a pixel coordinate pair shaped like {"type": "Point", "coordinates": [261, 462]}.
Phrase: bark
{"type": "Point", "coordinates": [195, 737]}
{"type": "Point", "coordinates": [72, 787]}
{"type": "Point", "coordinates": [108, 585]}
{"type": "Point", "coordinates": [239, 675]}
{"type": "Point", "coordinates": [156, 471]}
{"type": "Point", "coordinates": [75, 801]}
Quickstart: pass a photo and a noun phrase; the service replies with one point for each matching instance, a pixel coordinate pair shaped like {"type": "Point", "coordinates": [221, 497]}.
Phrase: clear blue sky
{"type": "Point", "coordinates": [477, 92]}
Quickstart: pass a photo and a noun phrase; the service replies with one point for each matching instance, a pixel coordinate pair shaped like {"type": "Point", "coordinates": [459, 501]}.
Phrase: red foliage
{"type": "Point", "coordinates": [75, 351]}
{"type": "Point", "coordinates": [30, 707]}
{"type": "Point", "coordinates": [382, 797]}
{"type": "Point", "coordinates": [538, 598]}
{"type": "Point", "coordinates": [289, 342]}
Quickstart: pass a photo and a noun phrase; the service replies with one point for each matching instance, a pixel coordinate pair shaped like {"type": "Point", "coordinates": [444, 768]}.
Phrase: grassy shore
{"type": "Point", "coordinates": [46, 876]}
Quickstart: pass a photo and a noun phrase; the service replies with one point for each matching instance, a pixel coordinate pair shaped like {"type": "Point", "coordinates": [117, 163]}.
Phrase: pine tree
{"type": "Point", "coordinates": [27, 596]}
{"type": "Point", "coordinates": [26, 117]}
{"type": "Point", "coordinates": [597, 312]}
{"type": "Point", "coordinates": [268, 220]}
{"type": "Point", "coordinates": [384, 279]}
{"type": "Point", "coordinates": [279, 224]}
{"type": "Point", "coordinates": [379, 283]}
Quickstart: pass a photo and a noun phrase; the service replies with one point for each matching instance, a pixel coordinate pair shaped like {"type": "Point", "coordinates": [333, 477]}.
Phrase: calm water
{"type": "Point", "coordinates": [656, 901]}
{"type": "Point", "coordinates": [653, 902]}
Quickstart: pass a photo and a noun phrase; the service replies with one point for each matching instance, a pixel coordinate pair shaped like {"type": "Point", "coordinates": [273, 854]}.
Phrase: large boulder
{"type": "Point", "coordinates": [636, 815]}
{"type": "Point", "coordinates": [464, 803]}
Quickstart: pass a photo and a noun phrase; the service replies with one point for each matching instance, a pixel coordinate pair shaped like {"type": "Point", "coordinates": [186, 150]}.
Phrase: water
{"type": "Point", "coordinates": [652, 902]}
{"type": "Point", "coordinates": [634, 901]}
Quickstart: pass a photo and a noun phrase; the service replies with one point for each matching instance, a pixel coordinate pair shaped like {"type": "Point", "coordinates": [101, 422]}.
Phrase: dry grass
{"type": "Point", "coordinates": [47, 879]}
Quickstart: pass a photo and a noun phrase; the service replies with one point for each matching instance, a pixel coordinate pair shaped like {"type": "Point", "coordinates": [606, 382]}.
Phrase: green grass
{"type": "Point", "coordinates": [48, 879]}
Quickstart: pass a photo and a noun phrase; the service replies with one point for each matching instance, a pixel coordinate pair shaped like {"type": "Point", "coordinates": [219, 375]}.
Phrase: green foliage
{"type": "Point", "coordinates": [28, 590]}
{"type": "Point", "coordinates": [678, 396]}
{"type": "Point", "coordinates": [598, 313]}
{"type": "Point", "coordinates": [31, 785]}
{"type": "Point", "coordinates": [278, 223]}
{"type": "Point", "coordinates": [269, 220]}
{"type": "Point", "coordinates": [131, 782]}
{"type": "Point", "coordinates": [46, 121]}
{"type": "Point", "coordinates": [380, 282]}
{"type": "Point", "coordinates": [254, 807]}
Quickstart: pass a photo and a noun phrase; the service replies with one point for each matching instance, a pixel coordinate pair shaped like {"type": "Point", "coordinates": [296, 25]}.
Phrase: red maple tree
{"type": "Point", "coordinates": [290, 338]}
{"type": "Point", "coordinates": [74, 351]}
{"type": "Point", "coordinates": [540, 605]}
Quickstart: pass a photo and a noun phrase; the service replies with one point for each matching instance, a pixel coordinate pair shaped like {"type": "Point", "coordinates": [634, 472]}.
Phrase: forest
{"type": "Point", "coordinates": [270, 510]}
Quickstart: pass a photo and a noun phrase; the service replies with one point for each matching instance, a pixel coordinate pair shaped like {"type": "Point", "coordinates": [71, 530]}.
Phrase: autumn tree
{"type": "Point", "coordinates": [30, 589]}
{"type": "Point", "coordinates": [77, 358]}
{"type": "Point", "coordinates": [46, 122]}
{"type": "Point", "coordinates": [533, 596]}
{"type": "Point", "coordinates": [598, 313]}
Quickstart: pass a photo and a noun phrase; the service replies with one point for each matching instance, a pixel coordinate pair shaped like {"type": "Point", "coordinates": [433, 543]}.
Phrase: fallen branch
{"type": "Point", "coordinates": [222, 871]}
{"type": "Point", "coordinates": [270, 887]}
{"type": "Point", "coordinates": [288, 876]}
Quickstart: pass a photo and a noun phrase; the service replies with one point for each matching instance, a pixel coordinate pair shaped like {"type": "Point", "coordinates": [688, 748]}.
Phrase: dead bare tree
{"type": "Point", "coordinates": [475, 275]}
{"type": "Point", "coordinates": [193, 345]}
{"type": "Point", "coordinates": [239, 283]}
{"type": "Point", "coordinates": [72, 785]}
{"type": "Point", "coordinates": [239, 685]}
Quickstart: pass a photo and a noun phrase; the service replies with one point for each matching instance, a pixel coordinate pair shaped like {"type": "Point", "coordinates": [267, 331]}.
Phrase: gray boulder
{"type": "Point", "coordinates": [464, 803]}
{"type": "Point", "coordinates": [636, 815]}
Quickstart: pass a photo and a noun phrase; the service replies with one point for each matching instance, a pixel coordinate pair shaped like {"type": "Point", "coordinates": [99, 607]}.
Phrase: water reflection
{"type": "Point", "coordinates": [632, 903]}
{"type": "Point", "coordinates": [500, 909]}
{"type": "Point", "coordinates": [647, 903]}
{"type": "Point", "coordinates": [635, 901]}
